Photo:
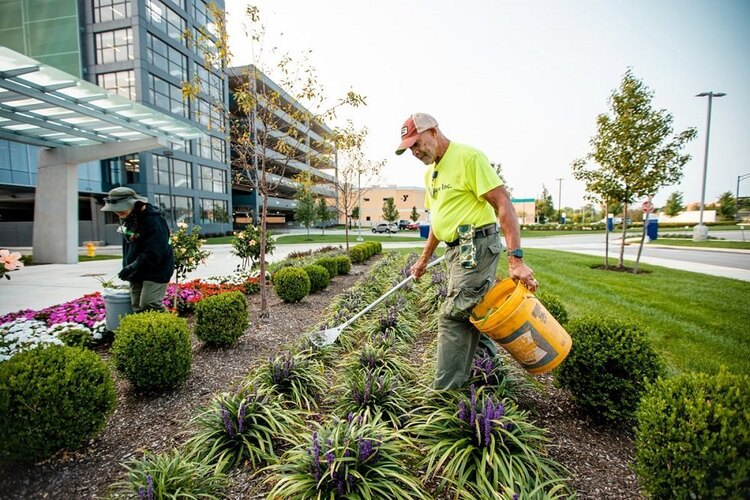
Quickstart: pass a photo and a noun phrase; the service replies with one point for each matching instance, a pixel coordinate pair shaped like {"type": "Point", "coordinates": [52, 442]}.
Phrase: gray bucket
{"type": "Point", "coordinates": [116, 306]}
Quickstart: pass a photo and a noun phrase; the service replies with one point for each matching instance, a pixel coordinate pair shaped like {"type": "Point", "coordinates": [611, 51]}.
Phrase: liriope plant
{"type": "Point", "coordinates": [369, 395]}
{"type": "Point", "coordinates": [347, 459]}
{"type": "Point", "coordinates": [492, 371]}
{"type": "Point", "coordinates": [483, 444]}
{"type": "Point", "coordinates": [243, 426]}
{"type": "Point", "coordinates": [383, 358]}
{"type": "Point", "coordinates": [296, 379]}
{"type": "Point", "coordinates": [172, 474]}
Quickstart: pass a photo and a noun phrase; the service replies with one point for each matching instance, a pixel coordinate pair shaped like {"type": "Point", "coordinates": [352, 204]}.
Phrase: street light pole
{"type": "Point", "coordinates": [559, 196]}
{"type": "Point", "coordinates": [359, 207]}
{"type": "Point", "coordinates": [737, 196]}
{"type": "Point", "coordinates": [700, 233]}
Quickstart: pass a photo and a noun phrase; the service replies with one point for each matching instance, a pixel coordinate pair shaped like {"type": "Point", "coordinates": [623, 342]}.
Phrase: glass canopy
{"type": "Point", "coordinates": [44, 106]}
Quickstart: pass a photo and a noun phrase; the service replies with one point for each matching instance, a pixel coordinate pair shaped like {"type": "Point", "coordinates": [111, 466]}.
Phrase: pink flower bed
{"type": "Point", "coordinates": [87, 310]}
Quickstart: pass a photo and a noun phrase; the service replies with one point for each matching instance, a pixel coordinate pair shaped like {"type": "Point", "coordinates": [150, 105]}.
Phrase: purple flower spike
{"type": "Point", "coordinates": [462, 413]}
{"type": "Point", "coordinates": [228, 425]}
{"type": "Point", "coordinates": [241, 418]}
{"type": "Point", "coordinates": [473, 409]}
{"type": "Point", "coordinates": [150, 487]}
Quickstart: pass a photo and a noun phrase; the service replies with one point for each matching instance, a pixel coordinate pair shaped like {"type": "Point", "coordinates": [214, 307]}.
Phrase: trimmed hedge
{"type": "Point", "coordinates": [608, 366]}
{"type": "Point", "coordinates": [52, 398]}
{"type": "Point", "coordinates": [693, 437]}
{"type": "Point", "coordinates": [152, 350]}
{"type": "Point", "coordinates": [554, 305]}
{"type": "Point", "coordinates": [221, 319]}
{"type": "Point", "coordinates": [343, 264]}
{"type": "Point", "coordinates": [291, 284]}
{"type": "Point", "coordinates": [330, 265]}
{"type": "Point", "coordinates": [319, 278]}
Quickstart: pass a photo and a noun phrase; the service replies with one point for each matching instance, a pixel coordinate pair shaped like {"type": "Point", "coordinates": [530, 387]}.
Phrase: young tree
{"type": "Point", "coordinates": [634, 153]}
{"type": "Point", "coordinates": [354, 216]}
{"type": "Point", "coordinates": [414, 214]}
{"type": "Point", "coordinates": [545, 209]}
{"type": "Point", "coordinates": [305, 213]}
{"type": "Point", "coordinates": [354, 171]}
{"type": "Point", "coordinates": [727, 206]}
{"type": "Point", "coordinates": [674, 204]}
{"type": "Point", "coordinates": [390, 212]}
{"type": "Point", "coordinates": [322, 213]}
{"type": "Point", "coordinates": [275, 85]}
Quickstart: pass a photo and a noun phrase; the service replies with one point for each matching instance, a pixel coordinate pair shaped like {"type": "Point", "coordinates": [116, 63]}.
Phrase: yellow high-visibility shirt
{"type": "Point", "coordinates": [454, 189]}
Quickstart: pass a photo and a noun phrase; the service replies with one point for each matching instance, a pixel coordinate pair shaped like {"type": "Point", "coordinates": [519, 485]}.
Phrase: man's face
{"type": "Point", "coordinates": [122, 214]}
{"type": "Point", "coordinates": [425, 147]}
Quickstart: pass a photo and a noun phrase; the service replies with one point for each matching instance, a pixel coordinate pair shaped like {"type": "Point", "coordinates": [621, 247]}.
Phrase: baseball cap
{"type": "Point", "coordinates": [412, 127]}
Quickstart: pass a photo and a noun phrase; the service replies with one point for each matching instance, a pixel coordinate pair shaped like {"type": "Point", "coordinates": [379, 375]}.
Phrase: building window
{"type": "Point", "coordinates": [367, 199]}
{"type": "Point", "coordinates": [166, 20]}
{"type": "Point", "coordinates": [166, 96]}
{"type": "Point", "coordinates": [166, 58]}
{"type": "Point", "coordinates": [212, 148]}
{"type": "Point", "coordinates": [120, 82]}
{"type": "Point", "coordinates": [213, 84]}
{"type": "Point", "coordinates": [214, 211]}
{"type": "Point", "coordinates": [176, 209]}
{"type": "Point", "coordinates": [132, 164]}
{"type": "Point", "coordinates": [208, 115]}
{"type": "Point", "coordinates": [114, 46]}
{"type": "Point", "coordinates": [109, 10]}
{"type": "Point", "coordinates": [213, 179]}
{"type": "Point", "coordinates": [204, 17]}
{"type": "Point", "coordinates": [172, 172]}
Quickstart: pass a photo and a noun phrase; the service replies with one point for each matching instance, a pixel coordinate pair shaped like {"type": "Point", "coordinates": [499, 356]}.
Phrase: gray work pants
{"type": "Point", "coordinates": [147, 296]}
{"type": "Point", "coordinates": [457, 337]}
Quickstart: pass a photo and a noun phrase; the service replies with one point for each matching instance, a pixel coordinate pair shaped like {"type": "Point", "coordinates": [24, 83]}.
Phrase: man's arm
{"type": "Point", "coordinates": [506, 215]}
{"type": "Point", "coordinates": [420, 266]}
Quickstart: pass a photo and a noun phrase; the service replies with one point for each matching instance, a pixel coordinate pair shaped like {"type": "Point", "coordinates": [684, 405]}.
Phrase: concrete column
{"type": "Point", "coordinates": [56, 214]}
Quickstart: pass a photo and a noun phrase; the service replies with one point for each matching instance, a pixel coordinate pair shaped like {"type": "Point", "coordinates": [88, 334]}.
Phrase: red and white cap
{"type": "Point", "coordinates": [412, 127]}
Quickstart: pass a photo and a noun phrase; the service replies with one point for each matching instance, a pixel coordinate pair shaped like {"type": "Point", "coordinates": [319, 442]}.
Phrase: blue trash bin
{"type": "Point", "coordinates": [610, 224]}
{"type": "Point", "coordinates": [652, 230]}
{"type": "Point", "coordinates": [424, 231]}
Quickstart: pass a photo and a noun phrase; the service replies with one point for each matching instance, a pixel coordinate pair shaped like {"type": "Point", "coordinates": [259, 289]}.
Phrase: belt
{"type": "Point", "coordinates": [482, 232]}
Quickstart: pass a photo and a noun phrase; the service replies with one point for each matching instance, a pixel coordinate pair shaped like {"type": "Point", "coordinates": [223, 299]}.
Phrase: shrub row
{"type": "Point", "coordinates": [292, 284]}
{"type": "Point", "coordinates": [360, 253]}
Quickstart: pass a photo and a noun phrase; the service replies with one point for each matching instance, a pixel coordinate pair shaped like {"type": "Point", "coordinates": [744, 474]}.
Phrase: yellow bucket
{"type": "Point", "coordinates": [512, 316]}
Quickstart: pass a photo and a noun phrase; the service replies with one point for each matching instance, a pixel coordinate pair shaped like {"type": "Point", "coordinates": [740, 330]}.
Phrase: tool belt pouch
{"type": "Point", "coordinates": [468, 251]}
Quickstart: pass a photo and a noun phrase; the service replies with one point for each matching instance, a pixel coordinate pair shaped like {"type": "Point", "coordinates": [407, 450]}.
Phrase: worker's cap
{"type": "Point", "coordinates": [412, 127]}
{"type": "Point", "coordinates": [121, 199]}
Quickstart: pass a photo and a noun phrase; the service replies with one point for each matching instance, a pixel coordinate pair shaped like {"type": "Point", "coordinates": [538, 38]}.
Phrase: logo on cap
{"type": "Point", "coordinates": [404, 131]}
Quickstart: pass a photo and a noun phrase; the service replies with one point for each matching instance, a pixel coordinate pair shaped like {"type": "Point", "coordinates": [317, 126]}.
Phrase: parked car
{"type": "Point", "coordinates": [617, 220]}
{"type": "Point", "coordinates": [414, 226]}
{"type": "Point", "coordinates": [403, 223]}
{"type": "Point", "coordinates": [384, 227]}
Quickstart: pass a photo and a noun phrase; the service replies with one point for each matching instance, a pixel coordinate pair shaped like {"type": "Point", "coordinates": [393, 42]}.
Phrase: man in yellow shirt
{"type": "Point", "coordinates": [466, 199]}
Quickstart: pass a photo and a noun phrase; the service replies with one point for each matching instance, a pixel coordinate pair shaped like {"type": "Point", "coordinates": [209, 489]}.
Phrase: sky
{"type": "Point", "coordinates": [524, 80]}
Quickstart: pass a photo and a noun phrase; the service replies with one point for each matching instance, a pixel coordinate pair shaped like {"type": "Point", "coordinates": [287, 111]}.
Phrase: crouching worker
{"type": "Point", "coordinates": [147, 255]}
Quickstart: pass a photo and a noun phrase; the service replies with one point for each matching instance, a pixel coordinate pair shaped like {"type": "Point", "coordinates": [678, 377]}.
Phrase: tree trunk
{"type": "Point", "coordinates": [346, 232]}
{"type": "Point", "coordinates": [621, 262]}
{"type": "Point", "coordinates": [606, 236]}
{"type": "Point", "coordinates": [643, 238]}
{"type": "Point", "coordinates": [263, 236]}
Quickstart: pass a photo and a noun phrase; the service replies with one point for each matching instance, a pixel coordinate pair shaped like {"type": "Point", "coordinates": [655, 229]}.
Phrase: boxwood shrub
{"type": "Point", "coordinates": [221, 319]}
{"type": "Point", "coordinates": [357, 254]}
{"type": "Point", "coordinates": [554, 305]}
{"type": "Point", "coordinates": [330, 265]}
{"type": "Point", "coordinates": [292, 283]}
{"type": "Point", "coordinates": [608, 366]}
{"type": "Point", "coordinates": [152, 350]}
{"type": "Point", "coordinates": [319, 279]}
{"type": "Point", "coordinates": [343, 264]}
{"type": "Point", "coordinates": [693, 437]}
{"type": "Point", "coordinates": [52, 398]}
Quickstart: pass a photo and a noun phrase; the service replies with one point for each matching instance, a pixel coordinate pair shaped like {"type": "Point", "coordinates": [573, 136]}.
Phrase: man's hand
{"type": "Point", "coordinates": [419, 267]}
{"type": "Point", "coordinates": [523, 273]}
{"type": "Point", "coordinates": [127, 272]}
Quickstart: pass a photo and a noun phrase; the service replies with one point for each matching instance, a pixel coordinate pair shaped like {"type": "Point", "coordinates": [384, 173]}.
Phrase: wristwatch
{"type": "Point", "coordinates": [516, 253]}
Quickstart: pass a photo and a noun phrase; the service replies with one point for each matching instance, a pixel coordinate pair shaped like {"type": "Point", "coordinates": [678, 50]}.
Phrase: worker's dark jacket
{"type": "Point", "coordinates": [146, 245]}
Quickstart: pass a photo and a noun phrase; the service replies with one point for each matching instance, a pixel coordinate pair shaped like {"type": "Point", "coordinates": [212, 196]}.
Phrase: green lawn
{"type": "Point", "coordinates": [679, 242]}
{"type": "Point", "coordinates": [696, 322]}
{"type": "Point", "coordinates": [340, 238]}
{"type": "Point", "coordinates": [86, 258]}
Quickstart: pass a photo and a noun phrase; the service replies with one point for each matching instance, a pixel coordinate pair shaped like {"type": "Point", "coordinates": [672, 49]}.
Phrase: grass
{"type": "Point", "coordinates": [694, 321]}
{"type": "Point", "coordinates": [678, 242]}
{"type": "Point", "coordinates": [340, 238]}
{"type": "Point", "coordinates": [86, 258]}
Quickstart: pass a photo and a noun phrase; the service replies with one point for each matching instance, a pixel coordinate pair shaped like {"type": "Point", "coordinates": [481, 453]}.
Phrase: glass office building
{"type": "Point", "coordinates": [141, 50]}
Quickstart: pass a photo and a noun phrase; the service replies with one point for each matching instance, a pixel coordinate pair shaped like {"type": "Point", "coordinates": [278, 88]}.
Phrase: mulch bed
{"type": "Point", "coordinates": [596, 456]}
